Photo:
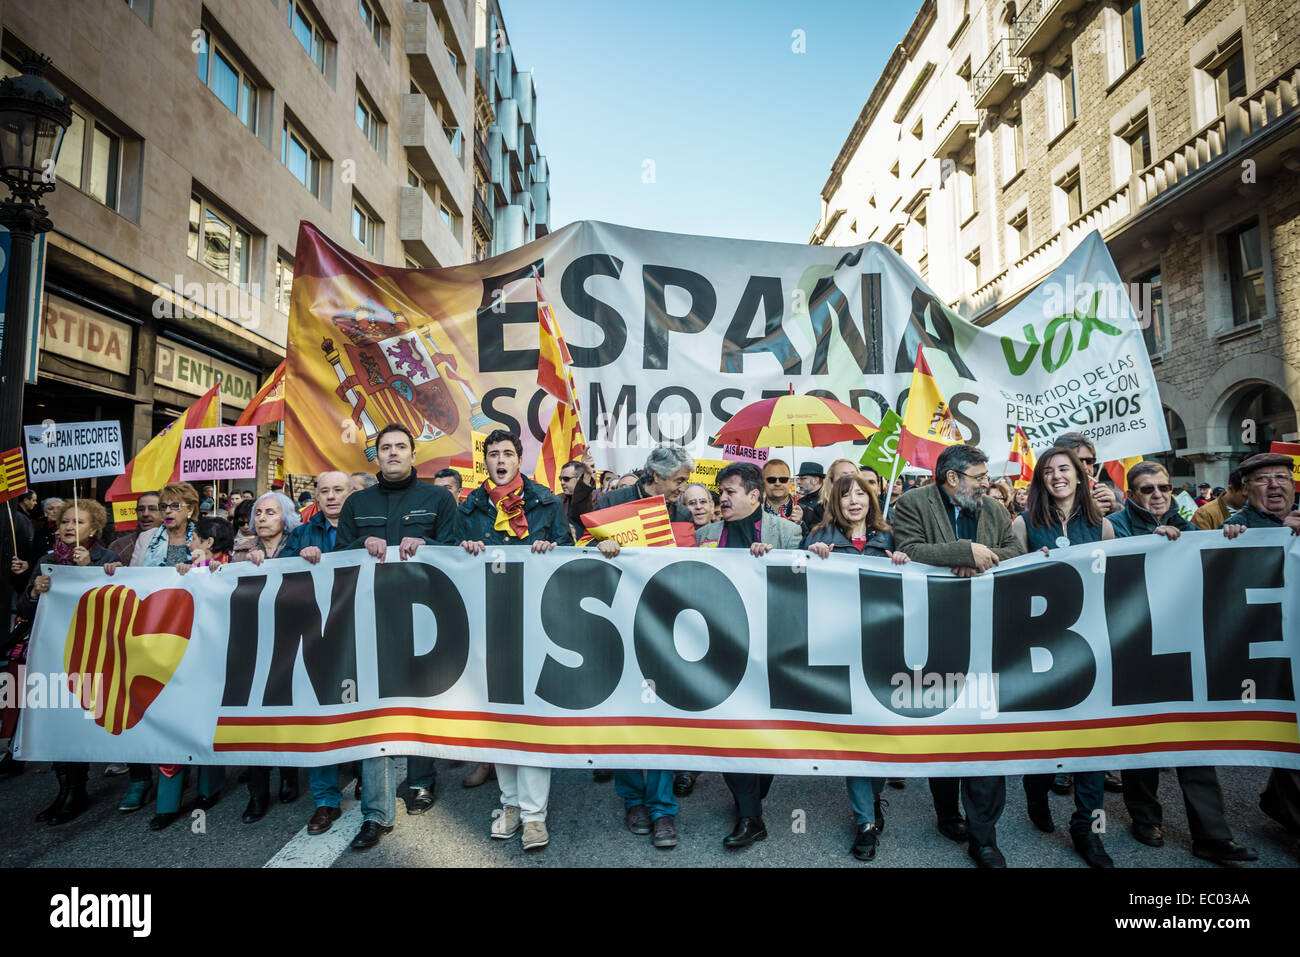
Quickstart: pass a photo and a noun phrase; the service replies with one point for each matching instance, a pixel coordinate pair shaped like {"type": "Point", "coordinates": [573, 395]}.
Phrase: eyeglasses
{"type": "Point", "coordinates": [981, 478]}
{"type": "Point", "coordinates": [777, 479]}
{"type": "Point", "coordinates": [1087, 463]}
{"type": "Point", "coordinates": [1148, 489]}
{"type": "Point", "coordinates": [172, 506]}
{"type": "Point", "coordinates": [1279, 478]}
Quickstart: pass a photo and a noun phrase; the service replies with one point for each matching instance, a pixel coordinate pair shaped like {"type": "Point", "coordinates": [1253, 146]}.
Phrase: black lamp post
{"type": "Point", "coordinates": [33, 119]}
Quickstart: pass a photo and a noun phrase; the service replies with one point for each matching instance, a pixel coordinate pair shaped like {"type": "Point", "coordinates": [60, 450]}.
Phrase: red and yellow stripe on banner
{"type": "Point", "coordinates": [1272, 731]}
{"type": "Point", "coordinates": [13, 475]}
{"type": "Point", "coordinates": [643, 522]}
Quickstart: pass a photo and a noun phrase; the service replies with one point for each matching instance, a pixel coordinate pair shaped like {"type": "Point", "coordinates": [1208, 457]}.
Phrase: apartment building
{"type": "Point", "coordinates": [203, 132]}
{"type": "Point", "coordinates": [998, 135]}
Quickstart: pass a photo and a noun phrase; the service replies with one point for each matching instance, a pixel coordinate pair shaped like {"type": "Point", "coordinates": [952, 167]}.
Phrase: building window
{"type": "Point", "coordinates": [370, 18]}
{"type": "Point", "coordinates": [283, 282]}
{"type": "Point", "coordinates": [308, 33]}
{"type": "Point", "coordinates": [1246, 272]}
{"type": "Point", "coordinates": [1138, 138]}
{"type": "Point", "coordinates": [1013, 148]}
{"type": "Point", "coordinates": [91, 159]}
{"type": "Point", "coordinates": [445, 213]}
{"type": "Point", "coordinates": [1229, 73]}
{"type": "Point", "coordinates": [370, 123]}
{"type": "Point", "coordinates": [967, 191]}
{"type": "Point", "coordinates": [1070, 201]}
{"type": "Point", "coordinates": [303, 161]}
{"type": "Point", "coordinates": [1018, 235]}
{"type": "Point", "coordinates": [217, 242]}
{"type": "Point", "coordinates": [1069, 111]}
{"type": "Point", "coordinates": [974, 276]}
{"type": "Point", "coordinates": [414, 179]}
{"type": "Point", "coordinates": [365, 228]}
{"type": "Point", "coordinates": [217, 68]}
{"type": "Point", "coordinates": [1131, 26]}
{"type": "Point", "coordinates": [455, 138]}
{"type": "Point", "coordinates": [1154, 331]}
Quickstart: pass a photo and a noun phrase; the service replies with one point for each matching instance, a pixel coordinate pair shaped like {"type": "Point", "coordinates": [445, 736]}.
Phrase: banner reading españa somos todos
{"type": "Point", "coordinates": [672, 334]}
{"type": "Point", "coordinates": [1134, 653]}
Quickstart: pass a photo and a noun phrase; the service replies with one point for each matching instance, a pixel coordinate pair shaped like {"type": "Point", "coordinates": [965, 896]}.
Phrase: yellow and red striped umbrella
{"type": "Point", "coordinates": [788, 420]}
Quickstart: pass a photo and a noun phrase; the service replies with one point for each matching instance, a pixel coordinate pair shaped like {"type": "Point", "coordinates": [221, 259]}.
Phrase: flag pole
{"type": "Point", "coordinates": [889, 490]}
{"type": "Point", "coordinates": [13, 535]}
{"type": "Point", "coordinates": [76, 516]}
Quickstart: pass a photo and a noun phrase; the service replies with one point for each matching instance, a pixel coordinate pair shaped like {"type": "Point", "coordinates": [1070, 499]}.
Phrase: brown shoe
{"type": "Point", "coordinates": [323, 820]}
{"type": "Point", "coordinates": [476, 777]}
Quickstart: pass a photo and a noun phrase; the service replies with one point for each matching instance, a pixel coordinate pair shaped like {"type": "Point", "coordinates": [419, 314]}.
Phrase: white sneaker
{"type": "Point", "coordinates": [535, 836]}
{"type": "Point", "coordinates": [505, 824]}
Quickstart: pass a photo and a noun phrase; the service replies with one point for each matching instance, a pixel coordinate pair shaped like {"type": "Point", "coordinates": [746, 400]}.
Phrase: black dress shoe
{"type": "Point", "coordinates": [1114, 783]}
{"type": "Point", "coordinates": [256, 809]}
{"type": "Point", "coordinates": [44, 814]}
{"type": "Point", "coordinates": [899, 783]}
{"type": "Point", "coordinates": [1225, 851]}
{"type": "Point", "coordinates": [369, 835]}
{"type": "Point", "coordinates": [163, 819]}
{"type": "Point", "coordinates": [1041, 815]}
{"type": "Point", "coordinates": [746, 832]}
{"type": "Point", "coordinates": [954, 829]}
{"type": "Point", "coordinates": [986, 855]}
{"type": "Point", "coordinates": [683, 783]}
{"type": "Point", "coordinates": [419, 800]}
{"type": "Point", "coordinates": [600, 776]}
{"type": "Point", "coordinates": [864, 844]}
{"type": "Point", "coordinates": [207, 802]}
{"type": "Point", "coordinates": [1148, 834]}
{"type": "Point", "coordinates": [880, 815]}
{"type": "Point", "coordinates": [1091, 850]}
{"type": "Point", "coordinates": [70, 808]}
{"type": "Point", "coordinates": [288, 788]}
{"type": "Point", "coordinates": [1061, 784]}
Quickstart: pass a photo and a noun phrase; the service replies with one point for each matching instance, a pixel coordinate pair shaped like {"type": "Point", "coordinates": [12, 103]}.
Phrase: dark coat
{"type": "Point", "coordinates": [1133, 519]}
{"type": "Point", "coordinates": [923, 529]}
{"type": "Point", "coordinates": [412, 509]}
{"type": "Point", "coordinates": [878, 542]}
{"type": "Point", "coordinates": [312, 533]}
{"type": "Point", "coordinates": [547, 522]}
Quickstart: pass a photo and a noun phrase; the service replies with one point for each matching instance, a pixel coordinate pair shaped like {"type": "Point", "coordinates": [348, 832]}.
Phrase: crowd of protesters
{"type": "Point", "coordinates": [960, 518]}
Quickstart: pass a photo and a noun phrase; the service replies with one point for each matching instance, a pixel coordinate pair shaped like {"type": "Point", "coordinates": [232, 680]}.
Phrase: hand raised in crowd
{"type": "Point", "coordinates": [985, 557]}
{"type": "Point", "coordinates": [589, 465]}
{"type": "Point", "coordinates": [609, 548]}
{"type": "Point", "coordinates": [18, 566]}
{"type": "Point", "coordinates": [474, 548]}
{"type": "Point", "coordinates": [376, 547]}
{"type": "Point", "coordinates": [81, 556]}
{"type": "Point", "coordinates": [541, 548]}
{"type": "Point", "coordinates": [1104, 496]}
{"type": "Point", "coordinates": [311, 553]}
{"type": "Point", "coordinates": [796, 512]}
{"type": "Point", "coordinates": [1168, 531]}
{"type": "Point", "coordinates": [759, 549]}
{"type": "Point", "coordinates": [406, 548]}
{"type": "Point", "coordinates": [1292, 522]}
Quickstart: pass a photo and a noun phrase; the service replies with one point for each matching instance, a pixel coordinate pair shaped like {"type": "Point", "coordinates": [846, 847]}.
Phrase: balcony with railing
{"type": "Point", "coordinates": [483, 213]}
{"type": "Point", "coordinates": [430, 66]}
{"type": "Point", "coordinates": [1001, 72]}
{"type": "Point", "coordinates": [428, 149]}
{"type": "Point", "coordinates": [956, 128]}
{"type": "Point", "coordinates": [423, 231]}
{"type": "Point", "coordinates": [1038, 23]}
{"type": "Point", "coordinates": [481, 154]}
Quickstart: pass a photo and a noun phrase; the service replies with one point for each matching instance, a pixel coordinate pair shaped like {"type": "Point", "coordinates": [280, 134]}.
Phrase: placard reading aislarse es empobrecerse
{"type": "Point", "coordinates": [228, 453]}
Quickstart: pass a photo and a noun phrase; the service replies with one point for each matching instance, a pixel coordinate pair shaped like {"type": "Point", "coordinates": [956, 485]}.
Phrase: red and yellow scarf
{"type": "Point", "coordinates": [509, 500]}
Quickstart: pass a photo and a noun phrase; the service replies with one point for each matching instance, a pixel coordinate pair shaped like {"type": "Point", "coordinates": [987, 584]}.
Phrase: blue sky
{"type": "Point", "coordinates": [741, 130]}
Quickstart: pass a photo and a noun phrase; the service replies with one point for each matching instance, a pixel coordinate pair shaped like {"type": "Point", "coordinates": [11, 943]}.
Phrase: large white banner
{"type": "Point", "coordinates": [1135, 653]}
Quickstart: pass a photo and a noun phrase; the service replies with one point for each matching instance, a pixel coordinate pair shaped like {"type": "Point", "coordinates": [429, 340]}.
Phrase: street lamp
{"type": "Point", "coordinates": [33, 119]}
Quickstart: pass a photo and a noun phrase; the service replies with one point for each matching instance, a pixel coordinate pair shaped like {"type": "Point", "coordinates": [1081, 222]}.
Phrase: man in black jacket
{"type": "Point", "coordinates": [510, 509]}
{"type": "Point", "coordinates": [403, 511]}
{"type": "Point", "coordinates": [667, 470]}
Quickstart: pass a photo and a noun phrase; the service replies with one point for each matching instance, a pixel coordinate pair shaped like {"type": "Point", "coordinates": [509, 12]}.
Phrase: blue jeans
{"type": "Point", "coordinates": [325, 786]}
{"type": "Point", "coordinates": [862, 798]}
{"type": "Point", "coordinates": [654, 789]}
{"type": "Point", "coordinates": [378, 791]}
{"type": "Point", "coordinates": [420, 772]}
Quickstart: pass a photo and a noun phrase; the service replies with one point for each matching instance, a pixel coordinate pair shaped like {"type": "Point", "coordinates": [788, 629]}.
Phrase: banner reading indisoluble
{"type": "Point", "coordinates": [671, 335]}
{"type": "Point", "coordinates": [1136, 652]}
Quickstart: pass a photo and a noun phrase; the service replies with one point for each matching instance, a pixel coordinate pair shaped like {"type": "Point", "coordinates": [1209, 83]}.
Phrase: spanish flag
{"type": "Point", "coordinates": [268, 405]}
{"type": "Point", "coordinates": [159, 462]}
{"type": "Point", "coordinates": [928, 425]}
{"type": "Point", "coordinates": [1022, 455]}
{"type": "Point", "coordinates": [13, 475]}
{"type": "Point", "coordinates": [563, 442]}
{"type": "Point", "coordinates": [643, 522]}
{"type": "Point", "coordinates": [1117, 469]}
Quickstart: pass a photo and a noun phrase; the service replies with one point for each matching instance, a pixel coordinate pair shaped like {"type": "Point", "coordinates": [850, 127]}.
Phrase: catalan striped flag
{"type": "Point", "coordinates": [13, 475]}
{"type": "Point", "coordinates": [928, 425]}
{"type": "Point", "coordinates": [159, 462]}
{"type": "Point", "coordinates": [1022, 455]}
{"type": "Point", "coordinates": [268, 405]}
{"type": "Point", "coordinates": [643, 522]}
{"type": "Point", "coordinates": [563, 442]}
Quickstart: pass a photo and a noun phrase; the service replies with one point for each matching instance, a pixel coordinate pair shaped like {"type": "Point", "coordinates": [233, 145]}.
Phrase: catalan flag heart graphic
{"type": "Point", "coordinates": [122, 650]}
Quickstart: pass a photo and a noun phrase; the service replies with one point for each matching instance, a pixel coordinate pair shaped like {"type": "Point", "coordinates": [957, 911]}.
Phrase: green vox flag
{"type": "Point", "coordinates": [1186, 505]}
{"type": "Point", "coordinates": [882, 451]}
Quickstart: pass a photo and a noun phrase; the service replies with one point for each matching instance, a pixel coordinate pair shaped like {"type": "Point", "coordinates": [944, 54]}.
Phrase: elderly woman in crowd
{"type": "Point", "coordinates": [1001, 491]}
{"type": "Point", "coordinates": [76, 542]}
{"type": "Point", "coordinates": [273, 518]}
{"type": "Point", "coordinates": [854, 525]}
{"type": "Point", "coordinates": [1062, 512]}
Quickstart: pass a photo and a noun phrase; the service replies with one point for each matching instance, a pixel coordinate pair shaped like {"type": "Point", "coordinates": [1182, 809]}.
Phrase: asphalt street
{"type": "Point", "coordinates": [808, 821]}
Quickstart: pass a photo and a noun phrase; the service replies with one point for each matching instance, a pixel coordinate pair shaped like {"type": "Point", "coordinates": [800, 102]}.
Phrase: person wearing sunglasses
{"type": "Point", "coordinates": [1082, 446]}
{"type": "Point", "coordinates": [1150, 511]}
{"type": "Point", "coordinates": [778, 497]}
